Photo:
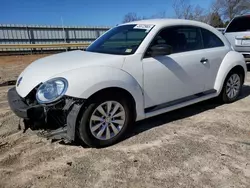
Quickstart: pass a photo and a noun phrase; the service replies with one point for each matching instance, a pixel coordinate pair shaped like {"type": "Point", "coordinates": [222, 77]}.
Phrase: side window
{"type": "Point", "coordinates": [210, 40]}
{"type": "Point", "coordinates": [180, 38]}
{"type": "Point", "coordinates": [192, 38]}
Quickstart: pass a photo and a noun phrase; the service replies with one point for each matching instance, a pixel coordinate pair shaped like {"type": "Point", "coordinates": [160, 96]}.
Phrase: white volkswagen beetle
{"type": "Point", "coordinates": [134, 71]}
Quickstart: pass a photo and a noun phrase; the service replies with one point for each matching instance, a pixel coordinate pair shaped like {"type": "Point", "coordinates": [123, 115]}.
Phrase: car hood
{"type": "Point", "coordinates": [43, 69]}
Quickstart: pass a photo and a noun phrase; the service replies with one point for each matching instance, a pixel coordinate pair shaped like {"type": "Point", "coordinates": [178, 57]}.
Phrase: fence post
{"type": "Point", "coordinates": [28, 32]}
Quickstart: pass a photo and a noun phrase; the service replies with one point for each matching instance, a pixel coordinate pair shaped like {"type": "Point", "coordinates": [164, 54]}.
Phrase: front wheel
{"type": "Point", "coordinates": [232, 87]}
{"type": "Point", "coordinates": [105, 121]}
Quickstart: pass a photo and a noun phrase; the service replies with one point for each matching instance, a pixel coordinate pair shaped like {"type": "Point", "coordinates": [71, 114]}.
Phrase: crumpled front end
{"type": "Point", "coordinates": [59, 117]}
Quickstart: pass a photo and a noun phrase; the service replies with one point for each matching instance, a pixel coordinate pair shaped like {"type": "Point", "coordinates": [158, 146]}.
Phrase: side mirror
{"type": "Point", "coordinates": [160, 50]}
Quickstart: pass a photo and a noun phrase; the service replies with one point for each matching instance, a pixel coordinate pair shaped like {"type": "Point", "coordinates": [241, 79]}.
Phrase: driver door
{"type": "Point", "coordinates": [171, 78]}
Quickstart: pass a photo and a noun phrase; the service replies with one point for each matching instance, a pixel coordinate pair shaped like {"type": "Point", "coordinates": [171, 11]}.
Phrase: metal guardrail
{"type": "Point", "coordinates": [26, 39]}
{"type": "Point", "coordinates": [40, 46]}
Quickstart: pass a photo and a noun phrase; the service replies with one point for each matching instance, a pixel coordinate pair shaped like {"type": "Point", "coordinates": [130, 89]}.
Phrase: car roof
{"type": "Point", "coordinates": [167, 22]}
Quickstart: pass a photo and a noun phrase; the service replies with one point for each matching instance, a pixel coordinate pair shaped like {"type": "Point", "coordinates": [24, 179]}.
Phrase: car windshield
{"type": "Point", "coordinates": [239, 24]}
{"type": "Point", "coordinates": [121, 40]}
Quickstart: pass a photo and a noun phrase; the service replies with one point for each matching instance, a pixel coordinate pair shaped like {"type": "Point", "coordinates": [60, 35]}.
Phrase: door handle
{"type": "Point", "coordinates": [204, 60]}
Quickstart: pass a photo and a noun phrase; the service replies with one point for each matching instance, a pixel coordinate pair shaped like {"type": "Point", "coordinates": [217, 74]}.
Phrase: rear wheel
{"type": "Point", "coordinates": [232, 87]}
{"type": "Point", "coordinates": [105, 121]}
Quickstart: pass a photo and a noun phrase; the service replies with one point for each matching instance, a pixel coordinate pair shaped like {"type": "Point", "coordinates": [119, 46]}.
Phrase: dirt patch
{"type": "Point", "coordinates": [12, 66]}
{"type": "Point", "coordinates": [203, 145]}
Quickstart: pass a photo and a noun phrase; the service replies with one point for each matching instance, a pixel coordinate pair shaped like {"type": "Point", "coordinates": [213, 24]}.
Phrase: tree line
{"type": "Point", "coordinates": [218, 14]}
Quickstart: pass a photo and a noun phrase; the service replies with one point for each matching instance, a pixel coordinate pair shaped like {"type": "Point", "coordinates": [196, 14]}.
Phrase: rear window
{"type": "Point", "coordinates": [239, 24]}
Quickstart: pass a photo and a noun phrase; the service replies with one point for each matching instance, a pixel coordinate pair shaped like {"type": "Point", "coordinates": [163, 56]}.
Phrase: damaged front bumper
{"type": "Point", "coordinates": [59, 118]}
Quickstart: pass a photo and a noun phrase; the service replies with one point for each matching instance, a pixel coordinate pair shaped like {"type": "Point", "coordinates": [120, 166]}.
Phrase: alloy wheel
{"type": "Point", "coordinates": [107, 120]}
{"type": "Point", "coordinates": [233, 86]}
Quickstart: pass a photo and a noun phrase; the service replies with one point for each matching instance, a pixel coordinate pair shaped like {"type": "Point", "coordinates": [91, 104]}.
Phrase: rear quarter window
{"type": "Point", "coordinates": [239, 24]}
{"type": "Point", "coordinates": [210, 40]}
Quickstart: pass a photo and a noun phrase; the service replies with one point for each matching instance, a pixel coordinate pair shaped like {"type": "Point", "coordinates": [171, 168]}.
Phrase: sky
{"type": "Point", "coordinates": [82, 12]}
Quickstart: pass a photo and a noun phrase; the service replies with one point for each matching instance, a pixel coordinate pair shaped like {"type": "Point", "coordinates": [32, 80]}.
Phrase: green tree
{"type": "Point", "coordinates": [226, 23]}
{"type": "Point", "coordinates": [215, 20]}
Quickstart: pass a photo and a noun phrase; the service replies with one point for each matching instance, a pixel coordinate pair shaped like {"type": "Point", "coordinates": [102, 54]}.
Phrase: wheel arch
{"type": "Point", "coordinates": [117, 91]}
{"type": "Point", "coordinates": [131, 89]}
{"type": "Point", "coordinates": [239, 69]}
{"type": "Point", "coordinates": [232, 61]}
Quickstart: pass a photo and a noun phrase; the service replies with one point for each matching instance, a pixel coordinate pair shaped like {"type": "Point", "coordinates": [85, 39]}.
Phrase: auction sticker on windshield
{"type": "Point", "coordinates": [128, 50]}
{"type": "Point", "coordinates": [148, 27]}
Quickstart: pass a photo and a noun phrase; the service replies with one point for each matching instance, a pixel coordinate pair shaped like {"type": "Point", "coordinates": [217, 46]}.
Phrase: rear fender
{"type": "Point", "coordinates": [231, 60]}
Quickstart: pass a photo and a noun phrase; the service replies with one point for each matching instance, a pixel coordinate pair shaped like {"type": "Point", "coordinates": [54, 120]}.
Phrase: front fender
{"type": "Point", "coordinates": [231, 60]}
{"type": "Point", "coordinates": [84, 82]}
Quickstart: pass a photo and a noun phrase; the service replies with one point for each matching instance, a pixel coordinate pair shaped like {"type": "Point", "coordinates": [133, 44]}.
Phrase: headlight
{"type": "Point", "coordinates": [51, 90]}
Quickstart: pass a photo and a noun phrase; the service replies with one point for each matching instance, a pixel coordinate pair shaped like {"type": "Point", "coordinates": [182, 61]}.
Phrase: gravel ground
{"type": "Point", "coordinates": [203, 145]}
{"type": "Point", "coordinates": [12, 66]}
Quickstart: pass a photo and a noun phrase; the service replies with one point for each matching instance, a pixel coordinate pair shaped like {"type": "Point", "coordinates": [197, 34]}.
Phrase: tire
{"type": "Point", "coordinates": [89, 120]}
{"type": "Point", "coordinates": [236, 80]}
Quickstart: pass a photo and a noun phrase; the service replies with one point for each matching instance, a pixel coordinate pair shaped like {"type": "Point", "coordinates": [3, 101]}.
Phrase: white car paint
{"type": "Point", "coordinates": [93, 79]}
{"type": "Point", "coordinates": [46, 68]}
{"type": "Point", "coordinates": [231, 60]}
{"type": "Point", "coordinates": [151, 81]}
{"type": "Point", "coordinates": [183, 72]}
